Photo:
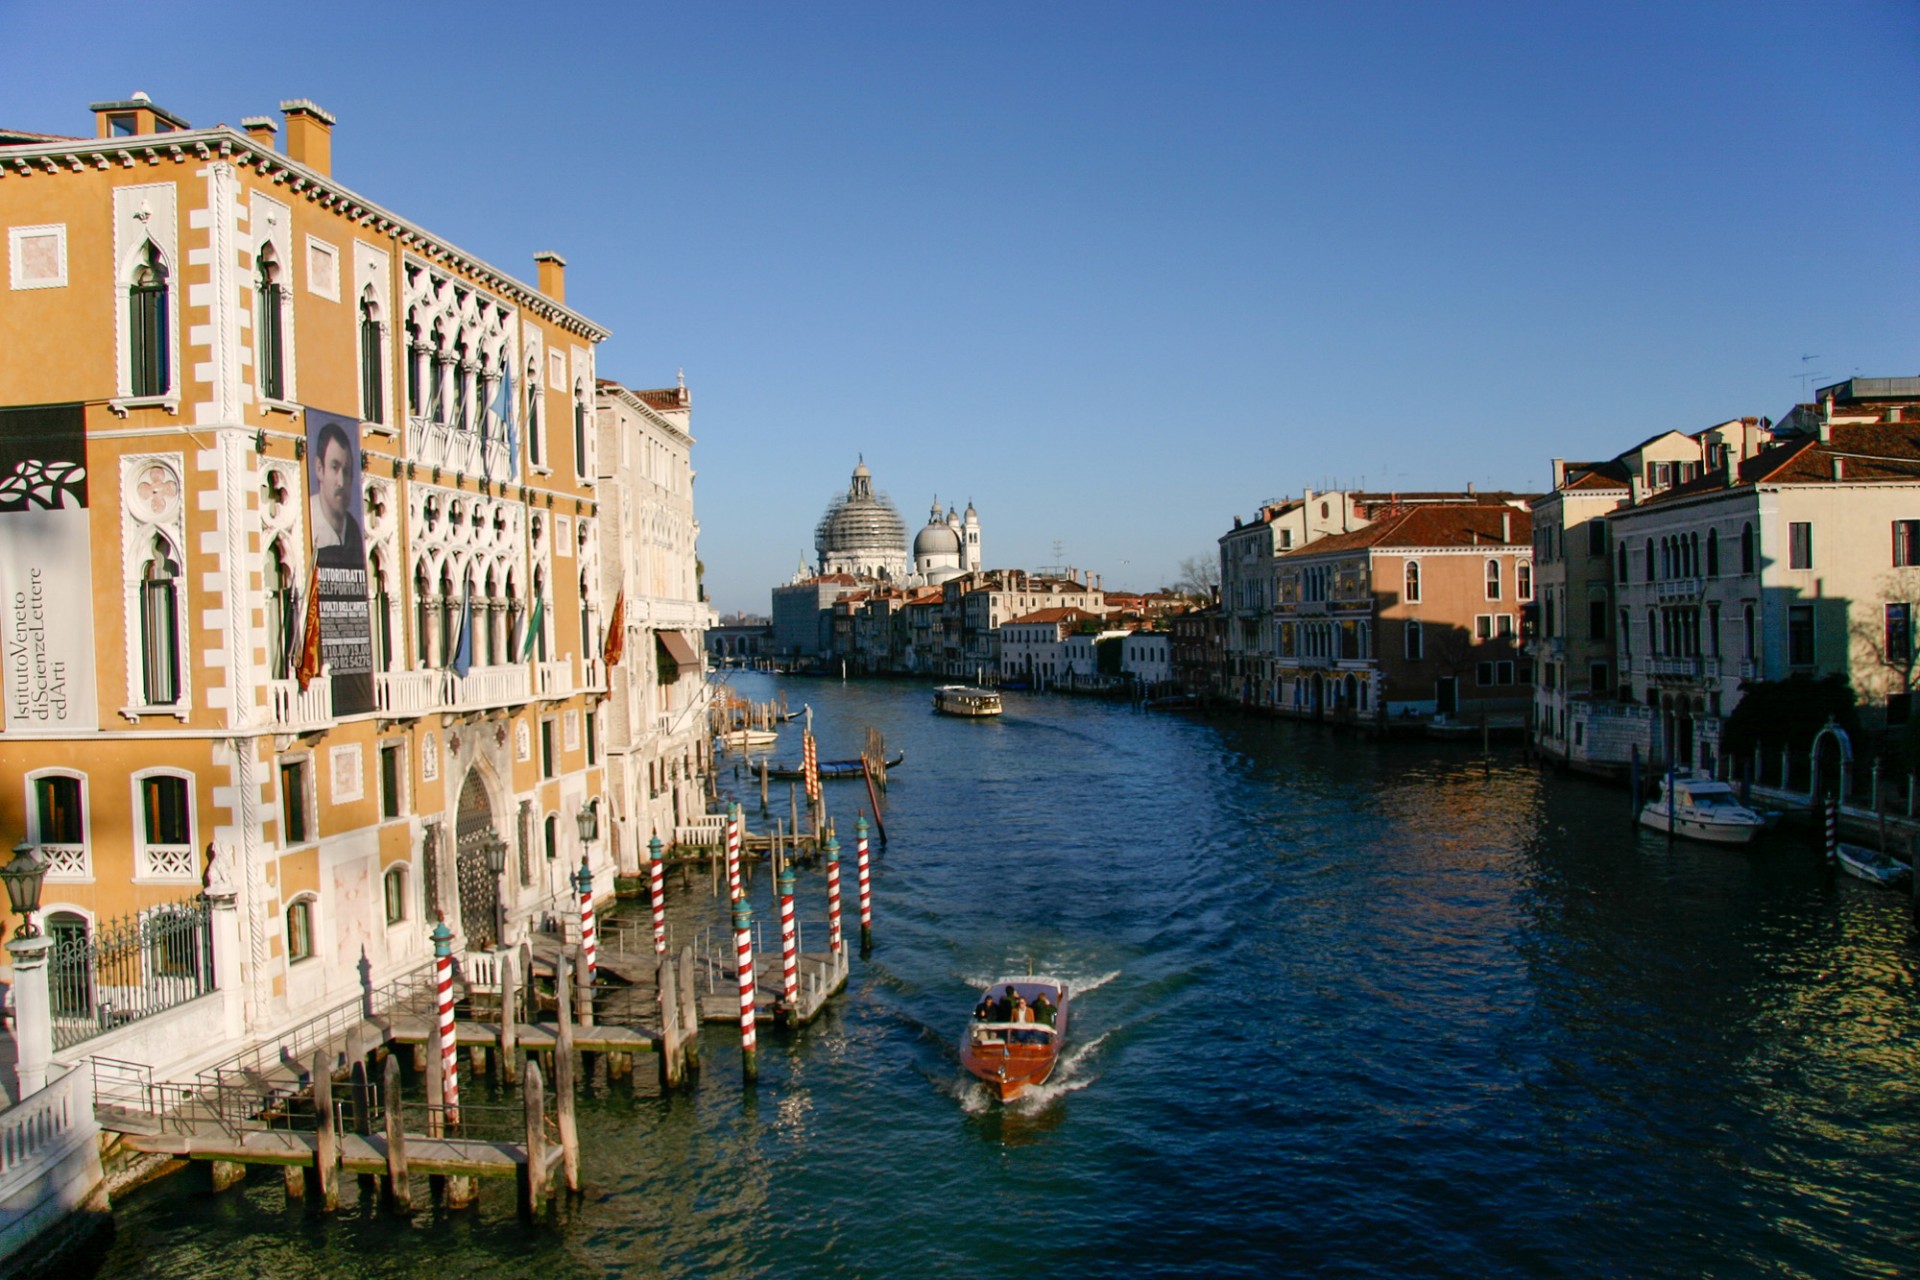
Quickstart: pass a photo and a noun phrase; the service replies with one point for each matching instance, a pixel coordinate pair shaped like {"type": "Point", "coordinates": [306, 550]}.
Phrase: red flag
{"type": "Point", "coordinates": [616, 643]}
{"type": "Point", "coordinates": [310, 634]}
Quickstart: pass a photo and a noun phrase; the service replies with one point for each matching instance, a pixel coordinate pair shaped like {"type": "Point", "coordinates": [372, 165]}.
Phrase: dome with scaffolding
{"type": "Point", "coordinates": [862, 533]}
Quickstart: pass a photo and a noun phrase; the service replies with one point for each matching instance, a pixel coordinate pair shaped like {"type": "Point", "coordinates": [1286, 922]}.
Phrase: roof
{"type": "Point", "coordinates": [22, 138]}
{"type": "Point", "coordinates": [1437, 525]}
{"type": "Point", "coordinates": [1049, 615]}
{"type": "Point", "coordinates": [1864, 451]}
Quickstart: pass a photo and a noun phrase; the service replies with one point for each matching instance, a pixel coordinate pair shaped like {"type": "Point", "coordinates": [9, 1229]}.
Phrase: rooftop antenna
{"type": "Point", "coordinates": [1805, 376]}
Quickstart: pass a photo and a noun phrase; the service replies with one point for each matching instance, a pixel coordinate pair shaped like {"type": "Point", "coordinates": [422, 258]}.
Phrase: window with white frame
{"type": "Point", "coordinates": [159, 604]}
{"type": "Point", "coordinates": [394, 884]}
{"type": "Point", "coordinates": [300, 922]}
{"type": "Point", "coordinates": [165, 845]}
{"type": "Point", "coordinates": [149, 326]}
{"type": "Point", "coordinates": [1493, 579]}
{"type": "Point", "coordinates": [57, 822]}
{"type": "Point", "coordinates": [1413, 582]}
{"type": "Point", "coordinates": [269, 329]}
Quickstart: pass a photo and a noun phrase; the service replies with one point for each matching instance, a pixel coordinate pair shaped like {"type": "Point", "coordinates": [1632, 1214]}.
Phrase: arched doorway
{"type": "Point", "coordinates": [479, 887]}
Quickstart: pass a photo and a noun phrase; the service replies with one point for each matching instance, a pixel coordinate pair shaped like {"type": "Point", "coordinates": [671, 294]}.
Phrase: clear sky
{"type": "Point", "coordinates": [1114, 272]}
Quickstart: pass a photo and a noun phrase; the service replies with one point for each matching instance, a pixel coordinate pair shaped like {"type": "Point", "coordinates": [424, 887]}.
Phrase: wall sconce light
{"type": "Point", "coordinates": [260, 440]}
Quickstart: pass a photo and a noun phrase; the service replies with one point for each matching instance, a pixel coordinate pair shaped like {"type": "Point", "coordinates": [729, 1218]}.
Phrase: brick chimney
{"type": "Point", "coordinates": [553, 274]}
{"type": "Point", "coordinates": [309, 135]}
{"type": "Point", "coordinates": [261, 129]}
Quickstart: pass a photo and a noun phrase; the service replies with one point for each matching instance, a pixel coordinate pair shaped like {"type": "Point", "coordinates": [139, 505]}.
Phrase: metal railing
{"type": "Point", "coordinates": [129, 968]}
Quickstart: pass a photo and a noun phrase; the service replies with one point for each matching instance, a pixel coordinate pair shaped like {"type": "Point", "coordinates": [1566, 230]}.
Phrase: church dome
{"type": "Point", "coordinates": [861, 532]}
{"type": "Point", "coordinates": [936, 540]}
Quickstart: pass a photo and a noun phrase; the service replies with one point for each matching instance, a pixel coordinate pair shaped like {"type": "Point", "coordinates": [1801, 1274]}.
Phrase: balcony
{"type": "Point", "coordinates": [554, 679]}
{"type": "Point", "coordinates": [1678, 589]}
{"type": "Point", "coordinates": [289, 710]}
{"type": "Point", "coordinates": [441, 444]}
{"type": "Point", "coordinates": [1677, 668]}
{"type": "Point", "coordinates": [408, 693]}
{"type": "Point", "coordinates": [484, 687]}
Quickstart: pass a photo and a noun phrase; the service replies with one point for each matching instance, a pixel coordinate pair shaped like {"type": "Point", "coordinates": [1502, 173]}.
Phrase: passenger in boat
{"type": "Point", "coordinates": [983, 1012]}
{"type": "Point", "coordinates": [1043, 1010]}
{"type": "Point", "coordinates": [1022, 1011]}
{"type": "Point", "coordinates": [1003, 1007]}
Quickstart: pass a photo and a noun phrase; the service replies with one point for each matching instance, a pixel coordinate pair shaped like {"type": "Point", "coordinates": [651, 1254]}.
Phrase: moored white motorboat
{"type": "Point", "coordinates": [1873, 865]}
{"type": "Point", "coordinates": [1701, 809]}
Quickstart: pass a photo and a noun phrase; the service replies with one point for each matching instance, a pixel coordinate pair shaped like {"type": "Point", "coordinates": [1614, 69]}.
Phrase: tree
{"type": "Point", "coordinates": [1788, 713]}
{"type": "Point", "coordinates": [1199, 579]}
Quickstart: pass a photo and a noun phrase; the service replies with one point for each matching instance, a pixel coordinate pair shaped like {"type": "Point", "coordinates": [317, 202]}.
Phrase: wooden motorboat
{"type": "Point", "coordinates": [1013, 1041]}
{"type": "Point", "coordinates": [1701, 809]}
{"type": "Point", "coordinates": [749, 739]}
{"type": "Point", "coordinates": [1873, 865]}
{"type": "Point", "coordinates": [831, 770]}
{"type": "Point", "coordinates": [966, 700]}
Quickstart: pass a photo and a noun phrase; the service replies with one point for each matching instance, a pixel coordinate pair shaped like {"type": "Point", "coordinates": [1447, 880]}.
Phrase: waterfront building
{"type": "Point", "coordinates": [1032, 648]}
{"type": "Point", "coordinates": [976, 604]}
{"type": "Point", "coordinates": [1414, 613]}
{"type": "Point", "coordinates": [803, 611]}
{"type": "Point", "coordinates": [1146, 657]}
{"type": "Point", "coordinates": [1247, 587]}
{"type": "Point", "coordinates": [740, 640]}
{"type": "Point", "coordinates": [1578, 716]}
{"type": "Point", "coordinates": [1803, 558]}
{"type": "Point", "coordinates": [658, 750]}
{"type": "Point", "coordinates": [948, 546]}
{"type": "Point", "coordinates": [1199, 652]}
{"type": "Point", "coordinates": [300, 500]}
{"type": "Point", "coordinates": [861, 533]}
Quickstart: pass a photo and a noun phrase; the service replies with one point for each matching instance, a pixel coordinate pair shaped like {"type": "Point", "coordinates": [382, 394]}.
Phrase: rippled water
{"type": "Point", "coordinates": [1343, 1008]}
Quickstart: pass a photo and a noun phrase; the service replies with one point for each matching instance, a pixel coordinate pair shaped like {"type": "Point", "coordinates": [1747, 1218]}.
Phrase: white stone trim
{"type": "Point", "coordinates": [142, 518]}
{"type": "Point", "coordinates": [143, 213]}
{"type": "Point", "coordinates": [17, 238]}
{"type": "Point", "coordinates": [272, 224]}
{"type": "Point", "coordinates": [323, 281]}
{"type": "Point", "coordinates": [176, 864]}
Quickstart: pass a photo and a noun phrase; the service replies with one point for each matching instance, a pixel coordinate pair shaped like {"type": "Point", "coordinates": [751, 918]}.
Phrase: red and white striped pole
{"type": "Point", "coordinates": [449, 1051]}
{"type": "Point", "coordinates": [789, 947]}
{"type": "Point", "coordinates": [833, 895]}
{"type": "Point", "coordinates": [657, 873]}
{"type": "Point", "coordinates": [589, 935]}
{"type": "Point", "coordinates": [866, 885]}
{"type": "Point", "coordinates": [743, 953]}
{"type": "Point", "coordinates": [733, 852]}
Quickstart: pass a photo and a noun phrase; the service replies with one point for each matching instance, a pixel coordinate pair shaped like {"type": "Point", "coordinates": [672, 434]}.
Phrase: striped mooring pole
{"type": "Point", "coordinates": [789, 947]}
{"type": "Point", "coordinates": [866, 885]}
{"type": "Point", "coordinates": [589, 936]}
{"type": "Point", "coordinates": [833, 895]}
{"type": "Point", "coordinates": [733, 852]}
{"type": "Point", "coordinates": [657, 883]}
{"type": "Point", "coordinates": [743, 952]}
{"type": "Point", "coordinates": [449, 1051]}
{"type": "Point", "coordinates": [1831, 847]}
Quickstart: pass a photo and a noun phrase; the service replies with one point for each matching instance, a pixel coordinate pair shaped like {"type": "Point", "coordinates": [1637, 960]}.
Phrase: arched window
{"type": "Point", "coordinates": [422, 614]}
{"type": "Point", "coordinates": [489, 613]}
{"type": "Point", "coordinates": [380, 602]}
{"type": "Point", "coordinates": [516, 647]}
{"type": "Point", "coordinates": [1746, 548]}
{"type": "Point", "coordinates": [539, 622]}
{"type": "Point", "coordinates": [394, 882]}
{"type": "Point", "coordinates": [1416, 646]}
{"type": "Point", "coordinates": [1748, 648]}
{"type": "Point", "coordinates": [534, 451]}
{"type": "Point", "coordinates": [1523, 580]}
{"type": "Point", "coordinates": [1413, 581]}
{"type": "Point", "coordinates": [1693, 554]}
{"type": "Point", "coordinates": [463, 387]}
{"type": "Point", "coordinates": [282, 617]}
{"type": "Point", "coordinates": [449, 621]}
{"type": "Point", "coordinates": [300, 929]}
{"type": "Point", "coordinates": [1653, 632]}
{"type": "Point", "coordinates": [416, 357]}
{"type": "Point", "coordinates": [1493, 579]}
{"type": "Point", "coordinates": [164, 830]}
{"type": "Point", "coordinates": [1625, 638]}
{"type": "Point", "coordinates": [269, 346]}
{"type": "Point", "coordinates": [436, 376]}
{"type": "Point", "coordinates": [1623, 561]}
{"type": "Point", "coordinates": [160, 626]}
{"type": "Point", "coordinates": [580, 429]}
{"type": "Point", "coordinates": [149, 366]}
{"type": "Point", "coordinates": [1713, 553]}
{"type": "Point", "coordinates": [373, 369]}
{"type": "Point", "coordinates": [553, 837]}
{"type": "Point", "coordinates": [1651, 576]}
{"type": "Point", "coordinates": [57, 818]}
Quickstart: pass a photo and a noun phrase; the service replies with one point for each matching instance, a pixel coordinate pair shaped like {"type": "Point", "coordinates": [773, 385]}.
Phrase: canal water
{"type": "Point", "coordinates": [1344, 1008]}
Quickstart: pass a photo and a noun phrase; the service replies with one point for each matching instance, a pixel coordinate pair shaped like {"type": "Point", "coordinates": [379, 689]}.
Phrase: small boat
{"type": "Point", "coordinates": [749, 739]}
{"type": "Point", "coordinates": [1872, 864]}
{"type": "Point", "coordinates": [1701, 809]}
{"type": "Point", "coordinates": [1014, 1040]}
{"type": "Point", "coordinates": [831, 770]}
{"type": "Point", "coordinates": [966, 700]}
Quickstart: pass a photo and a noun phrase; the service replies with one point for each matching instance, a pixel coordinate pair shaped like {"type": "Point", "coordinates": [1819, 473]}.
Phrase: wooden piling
{"type": "Point", "coordinates": [223, 1174]}
{"type": "Point", "coordinates": [322, 1187]}
{"type": "Point", "coordinates": [361, 1101]}
{"type": "Point", "coordinates": [530, 993]}
{"type": "Point", "coordinates": [436, 1104]}
{"type": "Point", "coordinates": [763, 785]}
{"type": "Point", "coordinates": [583, 988]}
{"type": "Point", "coordinates": [690, 1013]}
{"type": "Point", "coordinates": [533, 1174]}
{"type": "Point", "coordinates": [509, 1017]}
{"type": "Point", "coordinates": [394, 1188]}
{"type": "Point", "coordinates": [669, 999]}
{"type": "Point", "coordinates": [563, 1081]}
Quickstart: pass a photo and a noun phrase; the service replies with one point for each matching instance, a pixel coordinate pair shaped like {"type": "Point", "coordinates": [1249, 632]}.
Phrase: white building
{"type": "Point", "coordinates": [1147, 657]}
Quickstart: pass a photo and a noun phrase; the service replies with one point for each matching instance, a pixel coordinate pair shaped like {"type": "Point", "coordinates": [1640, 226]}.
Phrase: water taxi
{"type": "Point", "coordinates": [1013, 1042]}
{"type": "Point", "coordinates": [1700, 809]}
{"type": "Point", "coordinates": [966, 700]}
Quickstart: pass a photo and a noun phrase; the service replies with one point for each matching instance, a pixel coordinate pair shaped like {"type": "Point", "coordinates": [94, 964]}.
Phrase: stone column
{"type": "Point", "coordinates": [32, 1012]}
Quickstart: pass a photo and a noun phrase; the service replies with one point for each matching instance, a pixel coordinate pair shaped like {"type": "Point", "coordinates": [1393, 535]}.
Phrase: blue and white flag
{"type": "Point", "coordinates": [463, 652]}
{"type": "Point", "coordinates": [502, 409]}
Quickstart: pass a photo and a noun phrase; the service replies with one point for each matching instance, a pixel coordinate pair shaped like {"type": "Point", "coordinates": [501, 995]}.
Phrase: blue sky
{"type": "Point", "coordinates": [1115, 273]}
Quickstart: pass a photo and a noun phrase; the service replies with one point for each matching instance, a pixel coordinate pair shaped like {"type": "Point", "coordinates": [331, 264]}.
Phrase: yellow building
{"type": "Point", "coordinates": [300, 548]}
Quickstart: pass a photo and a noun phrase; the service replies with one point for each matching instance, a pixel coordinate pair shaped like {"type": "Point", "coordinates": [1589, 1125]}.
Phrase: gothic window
{"type": "Point", "coordinates": [1746, 548]}
{"type": "Point", "coordinates": [1713, 553]}
{"type": "Point", "coordinates": [373, 399]}
{"type": "Point", "coordinates": [150, 371]}
{"type": "Point", "coordinates": [422, 613]}
{"type": "Point", "coordinates": [416, 404]}
{"type": "Point", "coordinates": [534, 450]}
{"type": "Point", "coordinates": [1416, 647]}
{"type": "Point", "coordinates": [381, 603]}
{"type": "Point", "coordinates": [1493, 579]}
{"type": "Point", "coordinates": [282, 619]}
{"type": "Point", "coordinates": [1413, 581]}
{"type": "Point", "coordinates": [269, 336]}
{"type": "Point", "coordinates": [436, 377]}
{"type": "Point", "coordinates": [160, 626]}
{"type": "Point", "coordinates": [580, 429]}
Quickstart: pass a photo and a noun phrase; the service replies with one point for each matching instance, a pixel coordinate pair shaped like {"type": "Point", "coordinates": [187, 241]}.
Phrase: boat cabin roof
{"type": "Point", "coordinates": [1702, 787]}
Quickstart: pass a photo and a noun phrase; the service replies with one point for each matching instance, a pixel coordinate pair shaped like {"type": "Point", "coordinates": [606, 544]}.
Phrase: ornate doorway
{"type": "Point", "coordinates": [479, 887]}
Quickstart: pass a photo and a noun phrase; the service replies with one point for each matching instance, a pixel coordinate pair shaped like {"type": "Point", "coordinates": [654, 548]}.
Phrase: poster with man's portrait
{"type": "Point", "coordinates": [336, 507]}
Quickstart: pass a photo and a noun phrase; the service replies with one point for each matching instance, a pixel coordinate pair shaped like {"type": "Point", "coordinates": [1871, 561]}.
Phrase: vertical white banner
{"type": "Point", "coordinates": [46, 572]}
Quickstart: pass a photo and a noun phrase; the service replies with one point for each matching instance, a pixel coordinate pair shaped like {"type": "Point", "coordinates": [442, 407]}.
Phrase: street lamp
{"type": "Point", "coordinates": [24, 876]}
{"type": "Point", "coordinates": [588, 820]}
{"type": "Point", "coordinates": [496, 851]}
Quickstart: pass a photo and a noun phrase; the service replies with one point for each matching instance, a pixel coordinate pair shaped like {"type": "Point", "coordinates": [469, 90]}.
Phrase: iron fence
{"type": "Point", "coordinates": [129, 968]}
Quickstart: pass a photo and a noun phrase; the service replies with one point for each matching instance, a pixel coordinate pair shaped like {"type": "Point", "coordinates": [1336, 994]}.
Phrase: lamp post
{"type": "Point", "coordinates": [32, 1002]}
{"type": "Point", "coordinates": [496, 850]}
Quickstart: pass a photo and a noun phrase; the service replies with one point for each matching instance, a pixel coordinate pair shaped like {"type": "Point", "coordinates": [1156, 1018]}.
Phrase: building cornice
{"type": "Point", "coordinates": [648, 412]}
{"type": "Point", "coordinates": [222, 142]}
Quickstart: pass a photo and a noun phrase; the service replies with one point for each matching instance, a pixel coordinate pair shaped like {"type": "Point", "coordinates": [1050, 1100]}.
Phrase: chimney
{"type": "Point", "coordinates": [553, 274]}
{"type": "Point", "coordinates": [1729, 466]}
{"type": "Point", "coordinates": [1469, 488]}
{"type": "Point", "coordinates": [1506, 526]}
{"type": "Point", "coordinates": [309, 135]}
{"type": "Point", "coordinates": [261, 129]}
{"type": "Point", "coordinates": [1559, 472]}
{"type": "Point", "coordinates": [1839, 468]}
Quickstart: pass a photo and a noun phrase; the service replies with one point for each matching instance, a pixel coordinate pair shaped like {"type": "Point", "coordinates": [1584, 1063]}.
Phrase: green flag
{"type": "Point", "coordinates": [533, 627]}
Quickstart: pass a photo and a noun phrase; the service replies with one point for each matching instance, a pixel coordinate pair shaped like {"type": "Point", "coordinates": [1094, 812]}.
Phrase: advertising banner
{"type": "Point", "coordinates": [336, 505]}
{"type": "Point", "coordinates": [46, 571]}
